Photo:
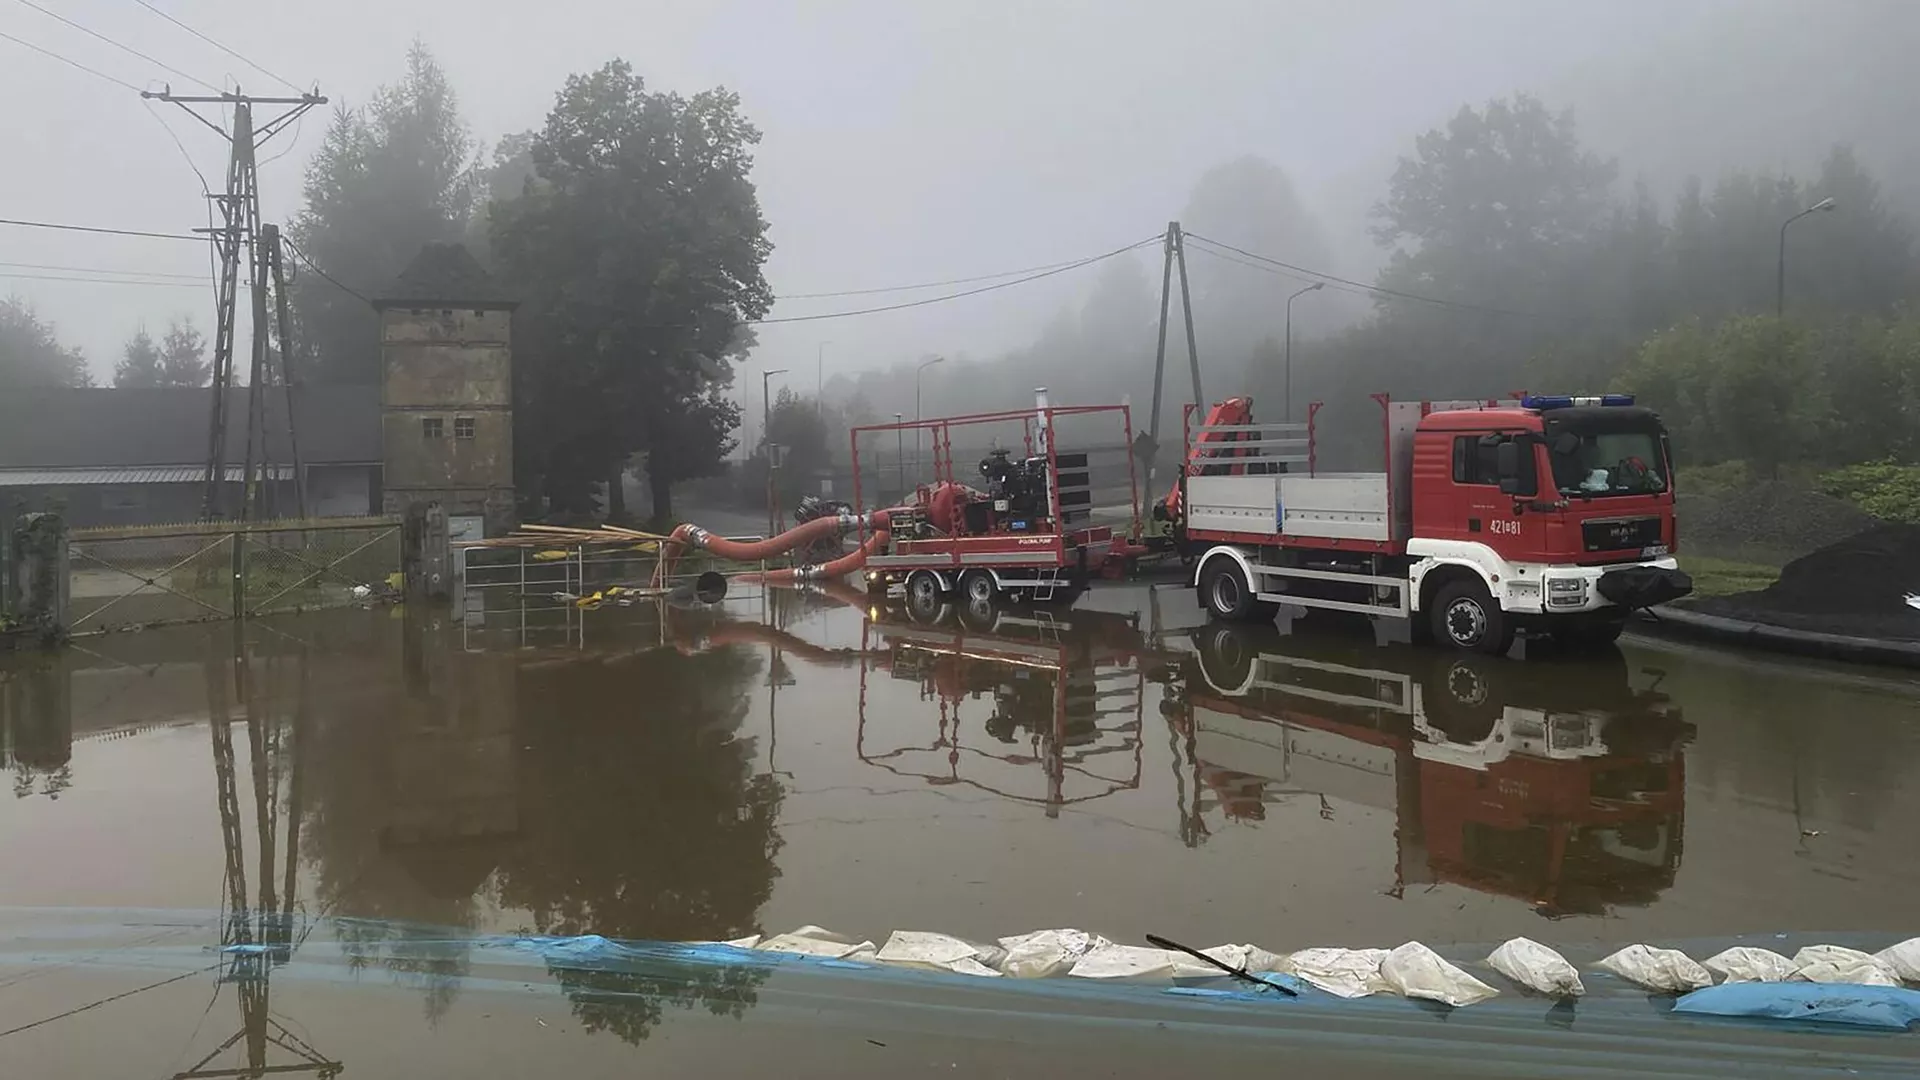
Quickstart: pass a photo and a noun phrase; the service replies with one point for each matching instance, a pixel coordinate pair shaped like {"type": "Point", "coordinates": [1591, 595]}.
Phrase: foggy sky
{"type": "Point", "coordinates": [919, 140]}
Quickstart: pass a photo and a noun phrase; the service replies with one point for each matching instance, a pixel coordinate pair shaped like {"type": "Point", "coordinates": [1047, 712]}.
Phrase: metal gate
{"type": "Point", "coordinates": [123, 578]}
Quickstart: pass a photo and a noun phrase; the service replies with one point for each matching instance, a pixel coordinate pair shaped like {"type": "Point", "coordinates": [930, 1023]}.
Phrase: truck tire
{"type": "Point", "coordinates": [1466, 618]}
{"type": "Point", "coordinates": [923, 593]}
{"type": "Point", "coordinates": [1226, 593]}
{"type": "Point", "coordinates": [1589, 633]}
{"type": "Point", "coordinates": [978, 587]}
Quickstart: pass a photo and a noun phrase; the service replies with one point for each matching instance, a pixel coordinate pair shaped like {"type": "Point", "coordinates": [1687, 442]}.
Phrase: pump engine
{"type": "Point", "coordinates": [1018, 488]}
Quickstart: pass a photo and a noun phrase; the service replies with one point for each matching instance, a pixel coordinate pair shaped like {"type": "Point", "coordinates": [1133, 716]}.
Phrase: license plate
{"type": "Point", "coordinates": [1653, 552]}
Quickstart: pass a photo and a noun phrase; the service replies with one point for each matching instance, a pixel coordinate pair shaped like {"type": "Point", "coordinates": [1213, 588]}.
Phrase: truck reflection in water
{"type": "Point", "coordinates": [1561, 785]}
{"type": "Point", "coordinates": [1015, 689]}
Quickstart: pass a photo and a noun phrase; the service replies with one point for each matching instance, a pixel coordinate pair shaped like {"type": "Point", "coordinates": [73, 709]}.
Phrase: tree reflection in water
{"type": "Point", "coordinates": [642, 819]}
{"type": "Point", "coordinates": [597, 793]}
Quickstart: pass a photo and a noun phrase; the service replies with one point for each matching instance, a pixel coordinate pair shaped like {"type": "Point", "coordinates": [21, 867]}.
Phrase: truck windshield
{"type": "Point", "coordinates": [1607, 463]}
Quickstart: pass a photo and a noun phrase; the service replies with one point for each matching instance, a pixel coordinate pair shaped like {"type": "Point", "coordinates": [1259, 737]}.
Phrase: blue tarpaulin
{"type": "Point", "coordinates": [1886, 1007]}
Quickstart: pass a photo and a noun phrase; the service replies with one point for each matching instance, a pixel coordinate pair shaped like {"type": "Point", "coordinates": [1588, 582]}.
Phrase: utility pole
{"type": "Point", "coordinates": [270, 236]}
{"type": "Point", "coordinates": [240, 212]}
{"type": "Point", "coordinates": [1174, 251]}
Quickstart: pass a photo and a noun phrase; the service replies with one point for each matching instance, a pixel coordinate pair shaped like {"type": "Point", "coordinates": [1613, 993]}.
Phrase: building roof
{"type": "Point", "coordinates": [126, 429]}
{"type": "Point", "coordinates": [445, 275]}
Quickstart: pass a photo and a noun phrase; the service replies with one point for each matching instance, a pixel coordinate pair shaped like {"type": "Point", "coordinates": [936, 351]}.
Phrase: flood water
{"type": "Point", "coordinates": [426, 787]}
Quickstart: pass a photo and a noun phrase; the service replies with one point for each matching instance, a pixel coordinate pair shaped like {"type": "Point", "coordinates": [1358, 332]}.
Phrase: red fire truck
{"type": "Point", "coordinates": [1550, 514]}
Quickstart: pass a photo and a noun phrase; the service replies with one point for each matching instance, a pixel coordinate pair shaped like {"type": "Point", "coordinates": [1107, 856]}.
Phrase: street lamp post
{"type": "Point", "coordinates": [820, 378]}
{"type": "Point", "coordinates": [921, 370]}
{"type": "Point", "coordinates": [766, 437]}
{"type": "Point", "coordinates": [1780, 278]}
{"type": "Point", "coordinates": [1315, 287]}
{"type": "Point", "coordinates": [900, 453]}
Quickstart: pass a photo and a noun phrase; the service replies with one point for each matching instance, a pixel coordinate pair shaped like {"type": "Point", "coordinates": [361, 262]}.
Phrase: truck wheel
{"type": "Point", "coordinates": [1589, 632]}
{"type": "Point", "coordinates": [1228, 595]}
{"type": "Point", "coordinates": [923, 592]}
{"type": "Point", "coordinates": [978, 587]}
{"type": "Point", "coordinates": [1466, 618]}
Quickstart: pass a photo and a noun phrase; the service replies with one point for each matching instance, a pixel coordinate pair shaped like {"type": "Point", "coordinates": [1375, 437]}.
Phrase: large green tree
{"type": "Point", "coordinates": [183, 355]}
{"type": "Point", "coordinates": [139, 364]}
{"type": "Point", "coordinates": [389, 178]}
{"type": "Point", "coordinates": [30, 354]}
{"type": "Point", "coordinates": [637, 249]}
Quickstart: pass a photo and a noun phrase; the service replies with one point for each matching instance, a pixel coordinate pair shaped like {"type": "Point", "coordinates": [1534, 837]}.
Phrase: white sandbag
{"type": "Point", "coordinates": [1248, 958]}
{"type": "Point", "coordinates": [942, 952]}
{"type": "Point", "coordinates": [1902, 960]}
{"type": "Point", "coordinates": [1045, 953]}
{"type": "Point", "coordinates": [1743, 963]}
{"type": "Point", "coordinates": [747, 942]}
{"type": "Point", "coordinates": [1669, 970]}
{"type": "Point", "coordinates": [1350, 973]}
{"type": "Point", "coordinates": [1538, 968]}
{"type": "Point", "coordinates": [817, 941]}
{"type": "Point", "coordinates": [1839, 964]}
{"type": "Point", "coordinates": [1415, 971]}
{"type": "Point", "coordinates": [1112, 961]}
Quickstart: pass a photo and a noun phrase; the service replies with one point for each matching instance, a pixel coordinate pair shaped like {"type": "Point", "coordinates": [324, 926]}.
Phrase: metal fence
{"type": "Point", "coordinates": [541, 595]}
{"type": "Point", "coordinates": [123, 578]}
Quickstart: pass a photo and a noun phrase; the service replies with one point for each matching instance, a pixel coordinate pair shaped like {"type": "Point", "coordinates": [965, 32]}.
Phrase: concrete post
{"type": "Point", "coordinates": [39, 576]}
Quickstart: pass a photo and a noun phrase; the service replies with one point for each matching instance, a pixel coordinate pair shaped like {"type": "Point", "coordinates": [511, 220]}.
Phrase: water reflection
{"type": "Point", "coordinates": [260, 928]}
{"type": "Point", "coordinates": [1560, 785]}
{"type": "Point", "coordinates": [36, 725]}
{"type": "Point", "coordinates": [570, 791]}
{"type": "Point", "coordinates": [1013, 691]}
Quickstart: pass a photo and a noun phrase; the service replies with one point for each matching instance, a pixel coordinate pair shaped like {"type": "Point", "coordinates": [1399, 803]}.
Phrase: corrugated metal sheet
{"type": "Point", "coordinates": [149, 474]}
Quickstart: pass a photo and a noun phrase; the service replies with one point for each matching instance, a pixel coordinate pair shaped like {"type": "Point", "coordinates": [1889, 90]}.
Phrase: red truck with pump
{"type": "Point", "coordinates": [1548, 514]}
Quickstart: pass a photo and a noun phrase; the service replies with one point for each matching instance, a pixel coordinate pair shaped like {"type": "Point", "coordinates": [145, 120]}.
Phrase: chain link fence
{"type": "Point", "coordinates": [124, 578]}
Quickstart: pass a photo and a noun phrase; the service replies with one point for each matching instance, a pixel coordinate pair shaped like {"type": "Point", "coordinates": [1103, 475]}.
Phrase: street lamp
{"type": "Point", "coordinates": [819, 378]}
{"type": "Point", "coordinates": [766, 437]}
{"type": "Point", "coordinates": [900, 453]}
{"type": "Point", "coordinates": [1780, 282]}
{"type": "Point", "coordinates": [1315, 287]}
{"type": "Point", "coordinates": [921, 370]}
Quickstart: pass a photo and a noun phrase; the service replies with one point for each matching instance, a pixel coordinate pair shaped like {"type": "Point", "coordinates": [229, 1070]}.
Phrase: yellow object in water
{"type": "Point", "coordinates": [550, 556]}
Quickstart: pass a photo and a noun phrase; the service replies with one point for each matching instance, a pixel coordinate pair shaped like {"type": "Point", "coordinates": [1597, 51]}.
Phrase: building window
{"type": "Point", "coordinates": [431, 427]}
{"type": "Point", "coordinates": [463, 427]}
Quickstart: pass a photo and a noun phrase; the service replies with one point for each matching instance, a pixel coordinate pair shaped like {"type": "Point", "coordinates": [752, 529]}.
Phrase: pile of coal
{"type": "Point", "coordinates": [1869, 573]}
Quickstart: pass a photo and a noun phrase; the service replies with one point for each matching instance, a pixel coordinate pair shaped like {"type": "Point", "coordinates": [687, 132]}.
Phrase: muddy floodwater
{"type": "Point", "coordinates": [309, 845]}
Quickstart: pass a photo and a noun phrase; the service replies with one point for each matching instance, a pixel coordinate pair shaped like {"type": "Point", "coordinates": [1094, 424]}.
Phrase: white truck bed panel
{"type": "Point", "coordinates": [1248, 504]}
{"type": "Point", "coordinates": [1349, 506]}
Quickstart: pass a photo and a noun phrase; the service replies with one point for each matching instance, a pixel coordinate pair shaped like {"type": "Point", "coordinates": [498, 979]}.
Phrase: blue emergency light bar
{"type": "Point", "coordinates": [1564, 401]}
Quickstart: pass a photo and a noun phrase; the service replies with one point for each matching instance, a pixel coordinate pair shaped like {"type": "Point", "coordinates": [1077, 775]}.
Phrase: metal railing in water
{"type": "Point", "coordinates": [536, 595]}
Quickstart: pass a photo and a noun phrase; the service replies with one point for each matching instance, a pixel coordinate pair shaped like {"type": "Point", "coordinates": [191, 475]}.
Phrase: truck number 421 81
{"type": "Point", "coordinates": [1506, 528]}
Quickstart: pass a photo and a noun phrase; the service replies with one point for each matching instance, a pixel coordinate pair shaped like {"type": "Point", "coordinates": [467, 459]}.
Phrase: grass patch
{"type": "Point", "coordinates": [1723, 577]}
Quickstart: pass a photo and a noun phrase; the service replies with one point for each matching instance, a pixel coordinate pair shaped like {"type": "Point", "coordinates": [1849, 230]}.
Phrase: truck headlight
{"type": "Point", "coordinates": [1567, 585]}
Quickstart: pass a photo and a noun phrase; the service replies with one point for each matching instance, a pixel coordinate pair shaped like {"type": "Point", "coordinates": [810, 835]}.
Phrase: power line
{"type": "Point", "coordinates": [1289, 275]}
{"type": "Point", "coordinates": [70, 63]}
{"type": "Point", "coordinates": [927, 284]}
{"type": "Point", "coordinates": [123, 48]}
{"type": "Point", "coordinates": [1375, 289]}
{"type": "Point", "coordinates": [103, 270]}
{"type": "Point", "coordinates": [105, 280]}
{"type": "Point", "coordinates": [315, 267]}
{"type": "Point", "coordinates": [98, 229]}
{"type": "Point", "coordinates": [1058, 269]}
{"type": "Point", "coordinates": [222, 48]}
